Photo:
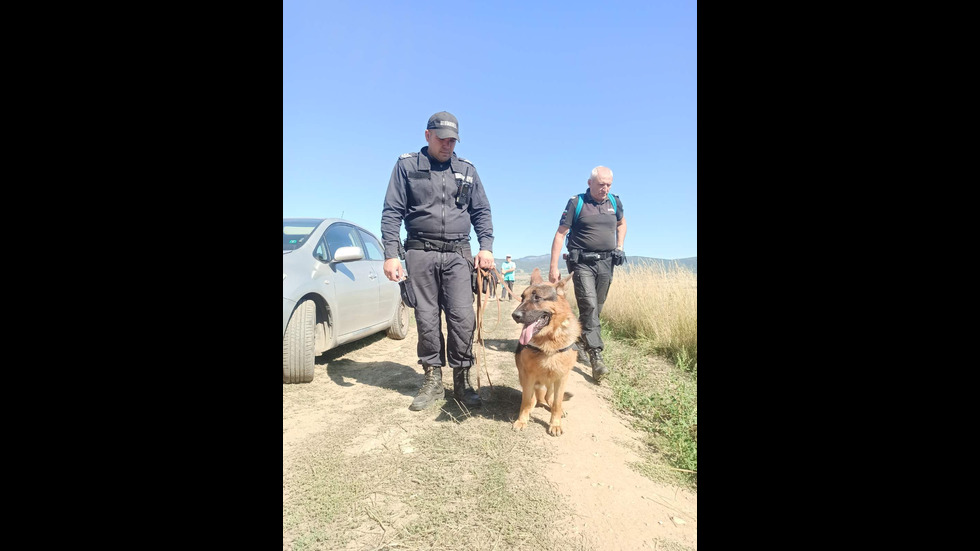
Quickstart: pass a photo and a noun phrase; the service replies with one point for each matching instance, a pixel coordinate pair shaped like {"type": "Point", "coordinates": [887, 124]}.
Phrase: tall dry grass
{"type": "Point", "coordinates": [656, 307]}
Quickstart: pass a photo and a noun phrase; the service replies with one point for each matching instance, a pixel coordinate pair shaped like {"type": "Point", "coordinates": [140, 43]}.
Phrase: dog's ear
{"type": "Point", "coordinates": [536, 276]}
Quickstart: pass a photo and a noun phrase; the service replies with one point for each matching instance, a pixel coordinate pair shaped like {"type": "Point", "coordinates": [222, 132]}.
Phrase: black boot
{"type": "Point", "coordinates": [599, 369]}
{"type": "Point", "coordinates": [463, 390]}
{"type": "Point", "coordinates": [431, 390]}
{"type": "Point", "coordinates": [583, 356]}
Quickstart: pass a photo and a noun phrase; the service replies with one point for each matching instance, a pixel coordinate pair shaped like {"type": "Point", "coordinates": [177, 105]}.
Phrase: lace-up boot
{"type": "Point", "coordinates": [599, 369]}
{"type": "Point", "coordinates": [431, 390]}
{"type": "Point", "coordinates": [463, 390]}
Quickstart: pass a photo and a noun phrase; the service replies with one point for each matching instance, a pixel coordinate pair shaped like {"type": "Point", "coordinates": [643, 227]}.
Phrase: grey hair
{"type": "Point", "coordinates": [595, 173]}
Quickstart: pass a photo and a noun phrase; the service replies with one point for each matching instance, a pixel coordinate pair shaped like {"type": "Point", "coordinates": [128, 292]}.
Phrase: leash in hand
{"type": "Point", "coordinates": [482, 281]}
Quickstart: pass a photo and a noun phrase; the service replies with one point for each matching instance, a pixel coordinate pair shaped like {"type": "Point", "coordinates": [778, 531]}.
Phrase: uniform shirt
{"type": "Point", "coordinates": [422, 192]}
{"type": "Point", "coordinates": [595, 229]}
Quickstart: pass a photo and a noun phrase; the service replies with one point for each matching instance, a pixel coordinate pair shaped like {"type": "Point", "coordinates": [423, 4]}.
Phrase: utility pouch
{"type": "Point", "coordinates": [472, 262]}
{"type": "Point", "coordinates": [408, 292]}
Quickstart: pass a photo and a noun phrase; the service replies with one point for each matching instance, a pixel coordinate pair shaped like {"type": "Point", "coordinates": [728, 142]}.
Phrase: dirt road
{"type": "Point", "coordinates": [357, 408]}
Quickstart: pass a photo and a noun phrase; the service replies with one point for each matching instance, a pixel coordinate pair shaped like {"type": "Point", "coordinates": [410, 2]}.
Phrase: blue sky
{"type": "Point", "coordinates": [544, 91]}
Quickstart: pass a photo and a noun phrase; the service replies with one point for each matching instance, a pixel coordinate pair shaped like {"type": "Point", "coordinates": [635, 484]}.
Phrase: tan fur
{"type": "Point", "coordinates": [543, 373]}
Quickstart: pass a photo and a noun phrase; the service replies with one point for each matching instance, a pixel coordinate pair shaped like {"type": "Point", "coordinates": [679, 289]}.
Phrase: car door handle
{"type": "Point", "coordinates": [373, 276]}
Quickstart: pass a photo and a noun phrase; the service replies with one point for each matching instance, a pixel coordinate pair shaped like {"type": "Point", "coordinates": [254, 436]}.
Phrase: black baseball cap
{"type": "Point", "coordinates": [445, 125]}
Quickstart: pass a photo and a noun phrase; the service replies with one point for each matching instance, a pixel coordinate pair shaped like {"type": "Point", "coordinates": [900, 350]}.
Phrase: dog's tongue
{"type": "Point", "coordinates": [528, 331]}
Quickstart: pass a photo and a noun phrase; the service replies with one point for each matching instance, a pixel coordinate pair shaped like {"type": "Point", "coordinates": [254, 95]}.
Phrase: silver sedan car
{"type": "Point", "coordinates": [334, 291]}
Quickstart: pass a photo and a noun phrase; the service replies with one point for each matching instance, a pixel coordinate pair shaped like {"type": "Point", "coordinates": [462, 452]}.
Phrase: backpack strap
{"type": "Point", "coordinates": [578, 208]}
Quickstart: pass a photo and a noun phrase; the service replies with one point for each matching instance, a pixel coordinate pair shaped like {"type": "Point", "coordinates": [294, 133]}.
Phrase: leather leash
{"type": "Point", "coordinates": [481, 302]}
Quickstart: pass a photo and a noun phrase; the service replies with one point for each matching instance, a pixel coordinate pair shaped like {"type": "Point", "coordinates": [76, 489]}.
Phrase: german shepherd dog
{"type": "Point", "coordinates": [545, 355]}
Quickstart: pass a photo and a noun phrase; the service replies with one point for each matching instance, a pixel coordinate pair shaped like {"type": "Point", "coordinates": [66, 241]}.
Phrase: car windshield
{"type": "Point", "coordinates": [295, 232]}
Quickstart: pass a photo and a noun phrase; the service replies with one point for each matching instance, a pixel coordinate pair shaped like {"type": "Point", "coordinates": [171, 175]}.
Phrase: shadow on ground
{"type": "Point", "coordinates": [387, 375]}
{"type": "Point", "coordinates": [500, 345]}
{"type": "Point", "coordinates": [501, 403]}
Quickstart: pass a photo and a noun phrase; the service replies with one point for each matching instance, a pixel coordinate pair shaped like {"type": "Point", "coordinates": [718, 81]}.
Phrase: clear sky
{"type": "Point", "coordinates": [543, 90]}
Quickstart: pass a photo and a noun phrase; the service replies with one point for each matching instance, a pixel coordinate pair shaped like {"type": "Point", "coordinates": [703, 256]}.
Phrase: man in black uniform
{"type": "Point", "coordinates": [595, 245]}
{"type": "Point", "coordinates": [438, 196]}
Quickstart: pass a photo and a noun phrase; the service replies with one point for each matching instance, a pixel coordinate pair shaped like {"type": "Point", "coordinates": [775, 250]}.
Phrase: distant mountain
{"type": "Point", "coordinates": [527, 264]}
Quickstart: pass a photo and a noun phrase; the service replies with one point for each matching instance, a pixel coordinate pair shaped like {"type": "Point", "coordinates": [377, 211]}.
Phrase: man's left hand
{"type": "Point", "coordinates": [618, 257]}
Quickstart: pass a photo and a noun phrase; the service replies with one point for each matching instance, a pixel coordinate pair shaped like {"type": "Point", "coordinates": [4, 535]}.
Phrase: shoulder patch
{"type": "Point", "coordinates": [406, 155]}
{"type": "Point", "coordinates": [467, 161]}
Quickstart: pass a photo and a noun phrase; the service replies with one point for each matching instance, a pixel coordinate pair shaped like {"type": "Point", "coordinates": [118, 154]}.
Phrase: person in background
{"type": "Point", "coordinates": [439, 196]}
{"type": "Point", "coordinates": [596, 229]}
{"type": "Point", "coordinates": [507, 287]}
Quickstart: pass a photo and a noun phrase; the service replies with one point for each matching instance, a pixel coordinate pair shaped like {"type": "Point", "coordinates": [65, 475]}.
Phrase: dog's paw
{"type": "Point", "coordinates": [555, 430]}
{"type": "Point", "coordinates": [519, 425]}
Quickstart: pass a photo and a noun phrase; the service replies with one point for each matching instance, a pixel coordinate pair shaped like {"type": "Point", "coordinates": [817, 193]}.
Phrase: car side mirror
{"type": "Point", "coordinates": [345, 254]}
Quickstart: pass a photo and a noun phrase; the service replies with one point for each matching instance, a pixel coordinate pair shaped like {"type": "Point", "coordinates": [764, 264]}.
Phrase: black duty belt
{"type": "Point", "coordinates": [593, 255]}
{"type": "Point", "coordinates": [429, 244]}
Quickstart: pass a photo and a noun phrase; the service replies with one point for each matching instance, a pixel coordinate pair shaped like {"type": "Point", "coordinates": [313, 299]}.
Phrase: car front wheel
{"type": "Point", "coordinates": [298, 345]}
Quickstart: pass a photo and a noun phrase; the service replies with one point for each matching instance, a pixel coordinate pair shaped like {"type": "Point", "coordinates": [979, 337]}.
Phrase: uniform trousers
{"type": "Point", "coordinates": [442, 285]}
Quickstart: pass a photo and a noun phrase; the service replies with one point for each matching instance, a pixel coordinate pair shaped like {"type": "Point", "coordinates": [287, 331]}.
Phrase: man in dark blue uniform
{"type": "Point", "coordinates": [595, 245]}
{"type": "Point", "coordinates": [439, 196]}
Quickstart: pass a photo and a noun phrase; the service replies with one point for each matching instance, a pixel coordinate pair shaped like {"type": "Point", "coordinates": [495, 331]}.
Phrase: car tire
{"type": "Point", "coordinates": [399, 322]}
{"type": "Point", "coordinates": [298, 355]}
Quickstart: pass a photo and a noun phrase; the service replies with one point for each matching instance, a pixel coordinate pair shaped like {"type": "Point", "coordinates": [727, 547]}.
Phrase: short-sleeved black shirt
{"type": "Point", "coordinates": [595, 229]}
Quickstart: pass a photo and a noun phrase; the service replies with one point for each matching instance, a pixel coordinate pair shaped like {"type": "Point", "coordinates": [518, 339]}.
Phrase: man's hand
{"type": "Point", "coordinates": [618, 257]}
{"type": "Point", "coordinates": [554, 275]}
{"type": "Point", "coordinates": [484, 259]}
{"type": "Point", "coordinates": [393, 269]}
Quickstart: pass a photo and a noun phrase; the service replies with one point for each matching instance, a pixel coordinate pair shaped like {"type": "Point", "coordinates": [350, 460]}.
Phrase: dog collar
{"type": "Point", "coordinates": [532, 347]}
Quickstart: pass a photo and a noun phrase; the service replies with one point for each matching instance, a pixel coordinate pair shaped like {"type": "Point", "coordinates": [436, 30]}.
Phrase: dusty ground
{"type": "Point", "coordinates": [613, 507]}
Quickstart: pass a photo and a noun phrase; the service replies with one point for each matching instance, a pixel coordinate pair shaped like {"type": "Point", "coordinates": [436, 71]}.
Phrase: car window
{"type": "Point", "coordinates": [295, 235]}
{"type": "Point", "coordinates": [339, 235]}
{"type": "Point", "coordinates": [372, 247]}
{"type": "Point", "coordinates": [320, 252]}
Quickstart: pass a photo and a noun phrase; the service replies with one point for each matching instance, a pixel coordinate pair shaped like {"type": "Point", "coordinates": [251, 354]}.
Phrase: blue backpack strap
{"type": "Point", "coordinates": [578, 208]}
